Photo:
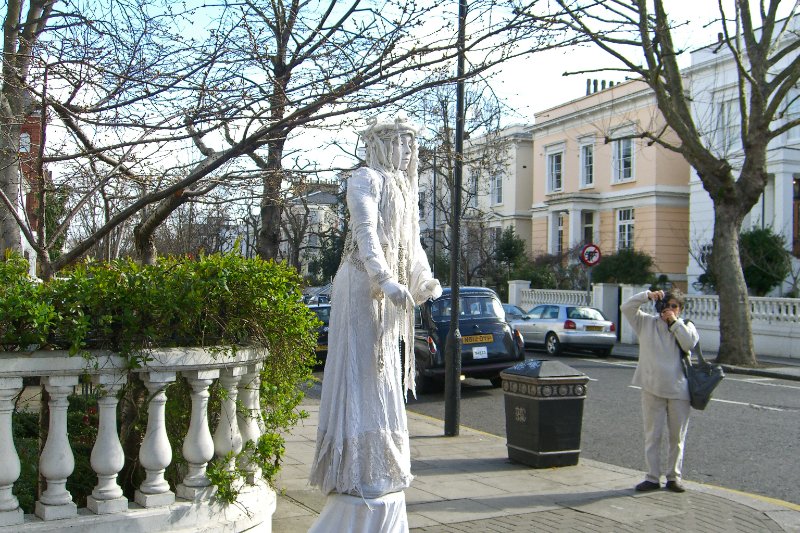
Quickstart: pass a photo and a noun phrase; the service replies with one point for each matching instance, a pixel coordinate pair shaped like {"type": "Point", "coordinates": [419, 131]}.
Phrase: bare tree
{"type": "Point", "coordinates": [638, 34]}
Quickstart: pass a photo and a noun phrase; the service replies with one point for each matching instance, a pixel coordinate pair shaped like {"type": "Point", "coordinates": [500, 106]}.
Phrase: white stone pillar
{"type": "Point", "coordinates": [198, 446]}
{"type": "Point", "coordinates": [156, 453]}
{"type": "Point", "coordinates": [248, 418]}
{"type": "Point", "coordinates": [57, 462]}
{"type": "Point", "coordinates": [552, 231]}
{"type": "Point", "coordinates": [10, 512]}
{"type": "Point", "coordinates": [575, 227]}
{"type": "Point", "coordinates": [107, 457]}
{"type": "Point", "coordinates": [227, 437]}
{"type": "Point", "coordinates": [515, 288]}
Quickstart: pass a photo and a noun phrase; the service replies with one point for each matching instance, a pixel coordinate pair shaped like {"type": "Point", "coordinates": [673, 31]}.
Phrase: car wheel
{"type": "Point", "coordinates": [497, 382]}
{"type": "Point", "coordinates": [552, 345]}
{"type": "Point", "coordinates": [605, 352]}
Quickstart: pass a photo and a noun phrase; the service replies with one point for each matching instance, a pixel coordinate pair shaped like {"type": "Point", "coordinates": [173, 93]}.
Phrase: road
{"type": "Point", "coordinates": [748, 439]}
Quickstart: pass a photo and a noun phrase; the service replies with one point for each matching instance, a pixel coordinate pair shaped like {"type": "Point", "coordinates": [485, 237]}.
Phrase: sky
{"type": "Point", "coordinates": [536, 83]}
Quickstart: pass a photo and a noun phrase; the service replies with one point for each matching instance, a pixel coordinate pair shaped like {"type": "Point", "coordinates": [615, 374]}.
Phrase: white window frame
{"type": "Point", "coordinates": [555, 181]}
{"type": "Point", "coordinates": [728, 122]}
{"type": "Point", "coordinates": [589, 226]}
{"type": "Point", "coordinates": [24, 142]}
{"type": "Point", "coordinates": [792, 113]}
{"type": "Point", "coordinates": [626, 223]}
{"type": "Point", "coordinates": [587, 162]}
{"type": "Point", "coordinates": [560, 234]}
{"type": "Point", "coordinates": [496, 188]}
{"type": "Point", "coordinates": [618, 155]}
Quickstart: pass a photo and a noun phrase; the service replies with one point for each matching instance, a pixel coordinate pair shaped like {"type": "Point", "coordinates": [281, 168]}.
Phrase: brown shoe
{"type": "Point", "coordinates": [675, 486]}
{"type": "Point", "coordinates": [646, 486]}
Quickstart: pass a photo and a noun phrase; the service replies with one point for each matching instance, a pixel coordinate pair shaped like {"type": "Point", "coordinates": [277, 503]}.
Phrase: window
{"type": "Point", "coordinates": [796, 213]}
{"type": "Point", "coordinates": [728, 119]}
{"type": "Point", "coordinates": [793, 112]}
{"type": "Point", "coordinates": [422, 204]}
{"type": "Point", "coordinates": [496, 188]}
{"type": "Point", "coordinates": [624, 229]}
{"type": "Point", "coordinates": [587, 165]}
{"type": "Point", "coordinates": [554, 171]}
{"type": "Point", "coordinates": [472, 199]}
{"type": "Point", "coordinates": [588, 226]}
{"type": "Point", "coordinates": [495, 234]}
{"type": "Point", "coordinates": [560, 239]}
{"type": "Point", "coordinates": [24, 142]}
{"type": "Point", "coordinates": [623, 160]}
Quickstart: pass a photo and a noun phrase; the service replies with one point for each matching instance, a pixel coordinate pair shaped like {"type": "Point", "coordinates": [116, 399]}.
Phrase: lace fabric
{"type": "Point", "coordinates": [362, 441]}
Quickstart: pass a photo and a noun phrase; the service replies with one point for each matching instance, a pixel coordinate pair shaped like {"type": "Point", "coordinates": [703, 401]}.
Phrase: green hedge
{"type": "Point", "coordinates": [220, 301]}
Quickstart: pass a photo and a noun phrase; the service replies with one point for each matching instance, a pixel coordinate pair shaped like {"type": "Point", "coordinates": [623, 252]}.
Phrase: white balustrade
{"type": "Point", "coordinates": [107, 457]}
{"type": "Point", "coordinates": [532, 297]}
{"type": "Point", "coordinates": [227, 437]}
{"type": "Point", "coordinates": [198, 446]}
{"type": "Point", "coordinates": [10, 512]}
{"type": "Point", "coordinates": [155, 454]}
{"type": "Point", "coordinates": [249, 417]}
{"type": "Point", "coordinates": [57, 462]}
{"type": "Point", "coordinates": [238, 375]}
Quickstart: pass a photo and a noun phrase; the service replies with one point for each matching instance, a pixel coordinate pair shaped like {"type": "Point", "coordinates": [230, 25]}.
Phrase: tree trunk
{"type": "Point", "coordinates": [735, 329]}
{"type": "Point", "coordinates": [269, 237]}
{"type": "Point", "coordinates": [10, 234]}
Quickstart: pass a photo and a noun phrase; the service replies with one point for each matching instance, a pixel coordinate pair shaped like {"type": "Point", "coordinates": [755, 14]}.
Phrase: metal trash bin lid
{"type": "Point", "coordinates": [542, 368]}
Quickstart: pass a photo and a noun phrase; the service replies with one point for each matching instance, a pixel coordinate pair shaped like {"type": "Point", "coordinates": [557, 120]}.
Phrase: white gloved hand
{"type": "Point", "coordinates": [431, 289]}
{"type": "Point", "coordinates": [397, 293]}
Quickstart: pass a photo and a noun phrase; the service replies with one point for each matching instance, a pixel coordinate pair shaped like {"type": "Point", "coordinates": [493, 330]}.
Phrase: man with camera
{"type": "Point", "coordinates": [663, 338]}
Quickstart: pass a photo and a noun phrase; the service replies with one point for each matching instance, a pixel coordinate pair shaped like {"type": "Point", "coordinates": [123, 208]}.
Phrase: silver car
{"type": "Point", "coordinates": [559, 326]}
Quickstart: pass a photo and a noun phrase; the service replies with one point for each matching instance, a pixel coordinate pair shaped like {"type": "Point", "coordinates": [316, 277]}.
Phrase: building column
{"type": "Point", "coordinates": [575, 227]}
{"type": "Point", "coordinates": [552, 231]}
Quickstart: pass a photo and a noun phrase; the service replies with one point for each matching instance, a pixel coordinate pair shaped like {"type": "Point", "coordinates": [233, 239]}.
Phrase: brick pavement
{"type": "Point", "coordinates": [467, 484]}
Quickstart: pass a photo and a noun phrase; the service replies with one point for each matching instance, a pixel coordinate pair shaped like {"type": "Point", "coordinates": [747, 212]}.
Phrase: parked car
{"type": "Point", "coordinates": [560, 326]}
{"type": "Point", "coordinates": [513, 312]}
{"type": "Point", "coordinates": [323, 312]}
{"type": "Point", "coordinates": [489, 344]}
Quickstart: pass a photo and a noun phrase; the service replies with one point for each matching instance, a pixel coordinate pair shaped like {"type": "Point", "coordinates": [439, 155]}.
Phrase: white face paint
{"type": "Point", "coordinates": [401, 151]}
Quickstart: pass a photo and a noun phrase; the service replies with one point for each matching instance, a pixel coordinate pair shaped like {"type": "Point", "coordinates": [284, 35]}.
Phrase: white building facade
{"type": "Point", "coordinates": [713, 85]}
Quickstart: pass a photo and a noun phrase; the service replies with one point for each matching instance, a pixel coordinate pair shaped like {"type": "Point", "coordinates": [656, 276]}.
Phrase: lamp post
{"type": "Point", "coordinates": [452, 382]}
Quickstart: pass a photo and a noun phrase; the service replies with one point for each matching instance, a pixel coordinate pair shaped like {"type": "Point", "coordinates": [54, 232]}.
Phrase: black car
{"type": "Point", "coordinates": [323, 312]}
{"type": "Point", "coordinates": [489, 344]}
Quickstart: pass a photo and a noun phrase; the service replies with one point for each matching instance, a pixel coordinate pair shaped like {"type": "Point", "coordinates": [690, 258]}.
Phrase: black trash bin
{"type": "Point", "coordinates": [544, 412]}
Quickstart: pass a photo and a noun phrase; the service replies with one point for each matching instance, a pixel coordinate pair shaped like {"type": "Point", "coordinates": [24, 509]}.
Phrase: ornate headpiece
{"type": "Point", "coordinates": [387, 129]}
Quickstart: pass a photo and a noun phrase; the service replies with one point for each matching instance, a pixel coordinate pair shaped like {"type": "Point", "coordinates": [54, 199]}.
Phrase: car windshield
{"type": "Point", "coordinates": [470, 306]}
{"type": "Point", "coordinates": [584, 313]}
{"type": "Point", "coordinates": [323, 313]}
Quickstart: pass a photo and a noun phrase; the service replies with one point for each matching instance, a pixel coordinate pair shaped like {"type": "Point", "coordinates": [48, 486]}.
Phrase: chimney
{"type": "Point", "coordinates": [588, 86]}
{"type": "Point", "coordinates": [603, 85]}
{"type": "Point", "coordinates": [720, 36]}
{"type": "Point", "coordinates": [594, 83]}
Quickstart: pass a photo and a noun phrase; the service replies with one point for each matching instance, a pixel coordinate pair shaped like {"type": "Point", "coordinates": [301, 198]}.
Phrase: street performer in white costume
{"type": "Point", "coordinates": [362, 460]}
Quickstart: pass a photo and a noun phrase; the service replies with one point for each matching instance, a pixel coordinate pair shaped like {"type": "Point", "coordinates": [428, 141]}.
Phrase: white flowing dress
{"type": "Point", "coordinates": [362, 444]}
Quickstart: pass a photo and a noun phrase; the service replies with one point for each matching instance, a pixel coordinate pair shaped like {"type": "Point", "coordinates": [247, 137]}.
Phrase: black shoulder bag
{"type": "Point", "coordinates": [703, 377]}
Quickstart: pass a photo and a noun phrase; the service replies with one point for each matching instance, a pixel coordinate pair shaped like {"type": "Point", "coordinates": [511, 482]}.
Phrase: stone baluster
{"type": "Point", "coordinates": [155, 453]}
{"type": "Point", "coordinates": [107, 457]}
{"type": "Point", "coordinates": [10, 512]}
{"type": "Point", "coordinates": [227, 437]}
{"type": "Point", "coordinates": [57, 462]}
{"type": "Point", "coordinates": [198, 446]}
{"type": "Point", "coordinates": [249, 417]}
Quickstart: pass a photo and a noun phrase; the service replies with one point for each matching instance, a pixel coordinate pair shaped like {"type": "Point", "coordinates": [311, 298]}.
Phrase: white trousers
{"type": "Point", "coordinates": [659, 413]}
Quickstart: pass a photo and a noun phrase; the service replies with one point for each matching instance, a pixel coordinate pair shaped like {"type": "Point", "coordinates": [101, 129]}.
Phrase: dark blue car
{"type": "Point", "coordinates": [489, 344]}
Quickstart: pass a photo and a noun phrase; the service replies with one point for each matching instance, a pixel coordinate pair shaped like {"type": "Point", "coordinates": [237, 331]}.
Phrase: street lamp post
{"type": "Point", "coordinates": [452, 383]}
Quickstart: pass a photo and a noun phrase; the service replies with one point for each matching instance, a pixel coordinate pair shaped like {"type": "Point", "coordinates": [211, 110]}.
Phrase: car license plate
{"type": "Point", "coordinates": [594, 328]}
{"type": "Point", "coordinates": [322, 347]}
{"type": "Point", "coordinates": [480, 352]}
{"type": "Point", "coordinates": [474, 339]}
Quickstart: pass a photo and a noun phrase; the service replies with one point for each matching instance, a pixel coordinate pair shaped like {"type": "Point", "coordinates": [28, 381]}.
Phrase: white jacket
{"type": "Point", "coordinates": [659, 371]}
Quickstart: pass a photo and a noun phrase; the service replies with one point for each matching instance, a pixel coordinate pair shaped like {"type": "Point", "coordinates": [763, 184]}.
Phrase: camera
{"type": "Point", "coordinates": [660, 305]}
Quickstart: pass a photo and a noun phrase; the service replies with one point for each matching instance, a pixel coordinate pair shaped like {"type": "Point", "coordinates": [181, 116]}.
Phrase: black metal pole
{"type": "Point", "coordinates": [452, 383]}
{"type": "Point", "coordinates": [433, 252]}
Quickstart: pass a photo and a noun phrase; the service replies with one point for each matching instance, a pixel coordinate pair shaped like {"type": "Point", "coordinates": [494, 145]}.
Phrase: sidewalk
{"type": "Point", "coordinates": [467, 484]}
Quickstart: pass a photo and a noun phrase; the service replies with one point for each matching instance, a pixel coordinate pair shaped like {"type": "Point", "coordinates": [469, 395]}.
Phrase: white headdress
{"type": "Point", "coordinates": [378, 137]}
